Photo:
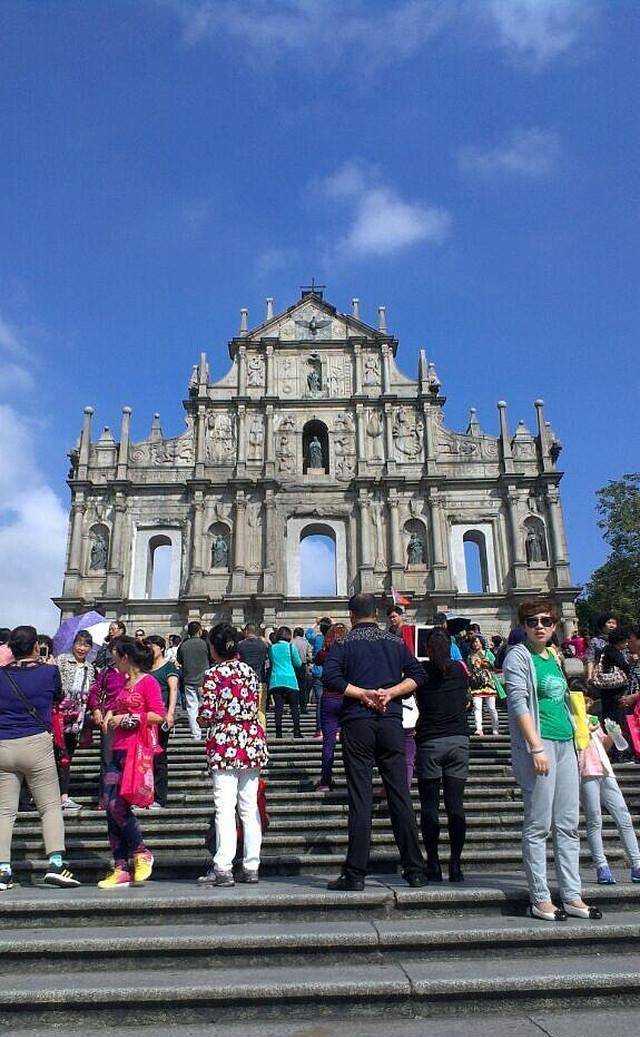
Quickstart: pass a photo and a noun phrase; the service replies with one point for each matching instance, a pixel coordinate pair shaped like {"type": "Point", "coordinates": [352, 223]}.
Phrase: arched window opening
{"type": "Point", "coordinates": [318, 572]}
{"type": "Point", "coordinates": [475, 560]}
{"type": "Point", "coordinates": [159, 567]}
{"type": "Point", "coordinates": [315, 446]}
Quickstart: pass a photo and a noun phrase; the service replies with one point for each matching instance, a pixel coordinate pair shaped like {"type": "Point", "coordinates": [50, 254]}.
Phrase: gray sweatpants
{"type": "Point", "coordinates": [33, 760]}
{"type": "Point", "coordinates": [551, 806]}
{"type": "Point", "coordinates": [599, 792]}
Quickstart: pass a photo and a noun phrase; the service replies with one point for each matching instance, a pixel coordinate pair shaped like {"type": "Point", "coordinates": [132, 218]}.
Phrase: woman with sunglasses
{"type": "Point", "coordinates": [545, 763]}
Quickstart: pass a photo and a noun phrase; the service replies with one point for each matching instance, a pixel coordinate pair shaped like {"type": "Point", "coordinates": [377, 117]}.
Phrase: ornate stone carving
{"type": "Point", "coordinates": [415, 550]}
{"type": "Point", "coordinates": [335, 379]}
{"type": "Point", "coordinates": [219, 551]}
{"type": "Point", "coordinates": [99, 550]}
{"type": "Point", "coordinates": [377, 512]}
{"type": "Point", "coordinates": [407, 434]}
{"type": "Point", "coordinates": [255, 372]}
{"type": "Point", "coordinates": [254, 522]}
{"type": "Point", "coordinates": [286, 455]}
{"type": "Point", "coordinates": [221, 438]}
{"type": "Point", "coordinates": [256, 438]}
{"type": "Point", "coordinates": [375, 436]}
{"type": "Point", "coordinates": [344, 447]}
{"type": "Point", "coordinates": [371, 374]}
{"type": "Point", "coordinates": [534, 542]}
{"type": "Point", "coordinates": [314, 375]}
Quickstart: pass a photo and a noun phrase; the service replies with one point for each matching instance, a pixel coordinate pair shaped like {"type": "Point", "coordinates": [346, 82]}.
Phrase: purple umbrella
{"type": "Point", "coordinates": [63, 638]}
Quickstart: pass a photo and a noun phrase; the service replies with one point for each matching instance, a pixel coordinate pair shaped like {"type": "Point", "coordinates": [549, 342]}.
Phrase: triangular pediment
{"type": "Point", "coordinates": [311, 319]}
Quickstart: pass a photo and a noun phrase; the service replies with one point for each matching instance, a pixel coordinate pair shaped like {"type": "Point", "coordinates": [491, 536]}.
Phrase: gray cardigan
{"type": "Point", "coordinates": [520, 682]}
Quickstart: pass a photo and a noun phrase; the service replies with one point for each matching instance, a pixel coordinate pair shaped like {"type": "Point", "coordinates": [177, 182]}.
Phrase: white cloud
{"type": "Point", "coordinates": [532, 153]}
{"type": "Point", "coordinates": [318, 567]}
{"type": "Point", "coordinates": [321, 33]}
{"type": "Point", "coordinates": [15, 360]}
{"type": "Point", "coordinates": [380, 221]}
{"type": "Point", "coordinates": [538, 31]}
{"type": "Point", "coordinates": [33, 529]}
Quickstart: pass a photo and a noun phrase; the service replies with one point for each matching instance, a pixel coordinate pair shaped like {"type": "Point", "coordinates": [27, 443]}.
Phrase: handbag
{"type": "Point", "coordinates": [608, 680]}
{"type": "Point", "coordinates": [136, 784]}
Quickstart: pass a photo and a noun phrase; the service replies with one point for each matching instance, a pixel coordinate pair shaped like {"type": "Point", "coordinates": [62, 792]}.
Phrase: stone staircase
{"type": "Point", "coordinates": [288, 957]}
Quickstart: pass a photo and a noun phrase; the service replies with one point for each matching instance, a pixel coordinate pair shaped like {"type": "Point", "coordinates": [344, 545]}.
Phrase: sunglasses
{"type": "Point", "coordinates": [535, 621]}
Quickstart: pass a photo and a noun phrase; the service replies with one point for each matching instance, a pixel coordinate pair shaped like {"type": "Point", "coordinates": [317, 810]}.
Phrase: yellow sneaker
{"type": "Point", "coordinates": [142, 866]}
{"type": "Point", "coordinates": [119, 878]}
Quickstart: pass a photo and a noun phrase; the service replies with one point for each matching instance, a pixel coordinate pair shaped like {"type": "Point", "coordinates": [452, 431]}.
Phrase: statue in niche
{"type": "Point", "coordinates": [314, 452]}
{"type": "Point", "coordinates": [415, 550]}
{"type": "Point", "coordinates": [256, 439]}
{"type": "Point", "coordinates": [374, 431]}
{"type": "Point", "coordinates": [99, 552]}
{"type": "Point", "coordinates": [371, 375]}
{"type": "Point", "coordinates": [313, 381]}
{"type": "Point", "coordinates": [535, 545]}
{"type": "Point", "coordinates": [255, 372]}
{"type": "Point", "coordinates": [219, 552]}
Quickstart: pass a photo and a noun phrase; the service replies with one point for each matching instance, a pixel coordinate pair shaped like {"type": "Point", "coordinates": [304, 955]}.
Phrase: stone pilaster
{"type": "Point", "coordinates": [271, 375]}
{"type": "Point", "coordinates": [519, 568]}
{"type": "Point", "coordinates": [388, 435]}
{"type": "Point", "coordinates": [269, 542]}
{"type": "Point", "coordinates": [239, 544]}
{"type": "Point", "coordinates": [123, 451]}
{"type": "Point", "coordinates": [397, 559]}
{"type": "Point", "coordinates": [269, 443]}
{"type": "Point", "coordinates": [366, 563]}
{"type": "Point", "coordinates": [386, 369]}
{"type": "Point", "coordinates": [201, 429]}
{"type": "Point", "coordinates": [85, 443]}
{"type": "Point", "coordinates": [74, 557]}
{"type": "Point", "coordinates": [242, 438]}
{"type": "Point", "coordinates": [242, 370]}
{"type": "Point", "coordinates": [439, 551]}
{"type": "Point", "coordinates": [555, 524]}
{"type": "Point", "coordinates": [197, 544]}
{"type": "Point", "coordinates": [115, 573]}
{"type": "Point", "coordinates": [357, 365]}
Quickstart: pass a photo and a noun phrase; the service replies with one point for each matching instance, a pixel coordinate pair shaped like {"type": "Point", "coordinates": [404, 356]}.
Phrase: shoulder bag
{"type": "Point", "coordinates": [608, 680]}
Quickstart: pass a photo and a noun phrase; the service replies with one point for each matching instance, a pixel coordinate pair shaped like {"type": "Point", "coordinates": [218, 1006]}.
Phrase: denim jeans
{"type": "Point", "coordinates": [598, 792]}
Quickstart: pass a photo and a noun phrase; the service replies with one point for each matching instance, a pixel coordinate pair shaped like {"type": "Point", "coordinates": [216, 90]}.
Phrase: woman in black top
{"type": "Point", "coordinates": [613, 655]}
{"type": "Point", "coordinates": [442, 743]}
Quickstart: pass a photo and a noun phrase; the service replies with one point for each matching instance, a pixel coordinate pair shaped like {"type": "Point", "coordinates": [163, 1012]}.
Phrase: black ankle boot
{"type": "Point", "coordinates": [433, 871]}
{"type": "Point", "coordinates": [455, 872]}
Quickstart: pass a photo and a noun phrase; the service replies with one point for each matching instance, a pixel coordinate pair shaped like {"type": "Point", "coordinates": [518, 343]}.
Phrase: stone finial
{"type": "Point", "coordinates": [106, 436]}
{"type": "Point", "coordinates": [382, 318]}
{"type": "Point", "coordinates": [269, 315]}
{"type": "Point", "coordinates": [88, 410]}
{"type": "Point", "coordinates": [193, 380]}
{"type": "Point", "coordinates": [244, 320]}
{"type": "Point", "coordinates": [473, 428]}
{"type": "Point", "coordinates": [355, 308]}
{"type": "Point", "coordinates": [432, 378]}
{"type": "Point", "coordinates": [423, 369]}
{"type": "Point", "coordinates": [155, 424]}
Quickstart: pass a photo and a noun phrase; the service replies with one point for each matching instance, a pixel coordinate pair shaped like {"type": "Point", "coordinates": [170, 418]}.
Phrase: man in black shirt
{"type": "Point", "coordinates": [374, 670]}
{"type": "Point", "coordinates": [253, 651]}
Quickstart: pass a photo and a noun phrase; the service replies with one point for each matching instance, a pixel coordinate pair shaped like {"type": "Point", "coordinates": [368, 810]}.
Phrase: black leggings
{"type": "Point", "coordinates": [453, 789]}
{"type": "Point", "coordinates": [280, 696]}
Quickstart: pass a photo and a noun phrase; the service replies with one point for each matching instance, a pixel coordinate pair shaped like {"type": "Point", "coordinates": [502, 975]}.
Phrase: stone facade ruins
{"type": "Point", "coordinates": [314, 431]}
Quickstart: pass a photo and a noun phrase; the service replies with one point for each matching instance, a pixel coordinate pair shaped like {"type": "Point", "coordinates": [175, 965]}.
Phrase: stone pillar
{"type": "Point", "coordinates": [441, 579]}
{"type": "Point", "coordinates": [357, 364]}
{"type": "Point", "coordinates": [242, 371]}
{"type": "Point", "coordinates": [397, 559]}
{"type": "Point", "coordinates": [505, 438]}
{"type": "Point", "coordinates": [388, 430]}
{"type": "Point", "coordinates": [519, 568]}
{"type": "Point", "coordinates": [85, 443]}
{"type": "Point", "coordinates": [269, 444]}
{"type": "Point", "coordinates": [555, 525]}
{"type": "Point", "coordinates": [271, 379]}
{"type": "Point", "coordinates": [242, 435]}
{"type": "Point", "coordinates": [239, 534]}
{"type": "Point", "coordinates": [428, 437]}
{"type": "Point", "coordinates": [366, 564]}
{"type": "Point", "coordinates": [270, 542]}
{"type": "Point", "coordinates": [123, 451]}
{"type": "Point", "coordinates": [360, 434]}
{"type": "Point", "coordinates": [201, 428]}
{"type": "Point", "coordinates": [116, 562]}
{"type": "Point", "coordinates": [74, 557]}
{"type": "Point", "coordinates": [386, 369]}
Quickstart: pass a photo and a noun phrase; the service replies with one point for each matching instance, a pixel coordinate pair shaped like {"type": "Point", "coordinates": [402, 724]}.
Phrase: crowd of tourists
{"type": "Point", "coordinates": [569, 705]}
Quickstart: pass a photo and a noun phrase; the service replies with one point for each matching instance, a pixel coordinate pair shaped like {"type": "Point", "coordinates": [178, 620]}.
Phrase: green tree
{"type": "Point", "coordinates": [615, 586]}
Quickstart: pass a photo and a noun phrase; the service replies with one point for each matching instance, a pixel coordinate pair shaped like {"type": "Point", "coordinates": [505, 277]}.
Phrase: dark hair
{"type": "Point", "coordinates": [137, 652]}
{"type": "Point", "coordinates": [298, 632]}
{"type": "Point", "coordinates": [325, 625]}
{"type": "Point", "coordinates": [603, 618]}
{"type": "Point", "coordinates": [22, 641]}
{"type": "Point", "coordinates": [44, 639]}
{"type": "Point", "coordinates": [440, 619]}
{"type": "Point", "coordinates": [617, 636]}
{"type": "Point", "coordinates": [283, 634]}
{"type": "Point", "coordinates": [175, 640]}
{"type": "Point", "coordinates": [224, 638]}
{"type": "Point", "coordinates": [634, 631]}
{"type": "Point", "coordinates": [362, 606]}
{"type": "Point", "coordinates": [395, 609]}
{"type": "Point", "coordinates": [517, 636]}
{"type": "Point", "coordinates": [83, 635]}
{"type": "Point", "coordinates": [155, 639]}
{"type": "Point", "coordinates": [119, 624]}
{"type": "Point", "coordinates": [439, 650]}
{"type": "Point", "coordinates": [497, 640]}
{"type": "Point", "coordinates": [533, 606]}
{"type": "Point", "coordinates": [5, 634]}
{"type": "Point", "coordinates": [273, 637]}
{"type": "Point", "coordinates": [335, 631]}
{"type": "Point", "coordinates": [474, 628]}
{"type": "Point", "coordinates": [194, 628]}
{"type": "Point", "coordinates": [249, 630]}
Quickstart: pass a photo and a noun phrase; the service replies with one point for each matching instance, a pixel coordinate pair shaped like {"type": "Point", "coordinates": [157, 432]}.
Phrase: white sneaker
{"type": "Point", "coordinates": [155, 807]}
{"type": "Point", "coordinates": [69, 806]}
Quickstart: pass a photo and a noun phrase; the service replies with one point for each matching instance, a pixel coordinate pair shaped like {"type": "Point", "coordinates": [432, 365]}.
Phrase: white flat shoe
{"type": "Point", "coordinates": [557, 915]}
{"type": "Point", "coordinates": [592, 913]}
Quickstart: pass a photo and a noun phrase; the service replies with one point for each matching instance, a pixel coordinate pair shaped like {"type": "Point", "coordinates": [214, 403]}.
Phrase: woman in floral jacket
{"type": "Point", "coordinates": [236, 750]}
{"type": "Point", "coordinates": [77, 675]}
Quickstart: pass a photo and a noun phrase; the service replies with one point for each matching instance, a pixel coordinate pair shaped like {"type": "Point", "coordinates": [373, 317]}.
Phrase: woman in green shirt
{"type": "Point", "coordinates": [545, 763]}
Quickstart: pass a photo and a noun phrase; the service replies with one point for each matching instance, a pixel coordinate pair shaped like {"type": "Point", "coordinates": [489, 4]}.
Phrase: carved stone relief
{"type": "Point", "coordinates": [254, 525]}
{"type": "Point", "coordinates": [344, 447]}
{"type": "Point", "coordinates": [407, 434]}
{"type": "Point", "coordinates": [256, 438]}
{"type": "Point", "coordinates": [371, 370]}
{"type": "Point", "coordinates": [220, 443]}
{"type": "Point", "coordinates": [374, 429]}
{"type": "Point", "coordinates": [255, 372]}
{"type": "Point", "coordinates": [377, 512]}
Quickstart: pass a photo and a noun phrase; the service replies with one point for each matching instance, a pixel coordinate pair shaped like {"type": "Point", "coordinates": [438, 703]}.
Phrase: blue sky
{"type": "Point", "coordinates": [472, 165]}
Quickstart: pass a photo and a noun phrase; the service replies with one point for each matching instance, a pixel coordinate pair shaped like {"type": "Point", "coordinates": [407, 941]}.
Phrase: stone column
{"type": "Point", "coordinates": [269, 444]}
{"type": "Point", "coordinates": [397, 560]}
{"type": "Point", "coordinates": [555, 526]}
{"type": "Point", "coordinates": [72, 577]}
{"type": "Point", "coordinates": [388, 430]}
{"type": "Point", "coordinates": [239, 534]}
{"type": "Point", "coordinates": [519, 568]}
{"type": "Point", "coordinates": [271, 379]}
{"type": "Point", "coordinates": [123, 451]}
{"type": "Point", "coordinates": [242, 370]}
{"type": "Point", "coordinates": [85, 443]}
{"type": "Point", "coordinates": [441, 579]}
{"type": "Point", "coordinates": [269, 542]}
{"type": "Point", "coordinates": [357, 363]}
{"type": "Point", "coordinates": [360, 434]}
{"type": "Point", "coordinates": [116, 562]}
{"type": "Point", "coordinates": [242, 436]}
{"type": "Point", "coordinates": [505, 438]}
{"type": "Point", "coordinates": [543, 437]}
{"type": "Point", "coordinates": [386, 369]}
{"type": "Point", "coordinates": [428, 437]}
{"type": "Point", "coordinates": [201, 428]}
{"type": "Point", "coordinates": [366, 564]}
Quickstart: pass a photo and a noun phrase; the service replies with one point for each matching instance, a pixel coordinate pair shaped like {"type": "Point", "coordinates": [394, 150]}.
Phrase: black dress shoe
{"type": "Point", "coordinates": [455, 872]}
{"type": "Point", "coordinates": [415, 878]}
{"type": "Point", "coordinates": [434, 873]}
{"type": "Point", "coordinates": [346, 883]}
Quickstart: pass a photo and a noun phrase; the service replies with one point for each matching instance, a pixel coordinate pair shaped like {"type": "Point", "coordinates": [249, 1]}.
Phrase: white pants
{"type": "Point", "coordinates": [192, 696]}
{"type": "Point", "coordinates": [231, 787]}
{"type": "Point", "coordinates": [493, 712]}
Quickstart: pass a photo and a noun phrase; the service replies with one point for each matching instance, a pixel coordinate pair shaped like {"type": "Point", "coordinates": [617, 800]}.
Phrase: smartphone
{"type": "Point", "coordinates": [44, 652]}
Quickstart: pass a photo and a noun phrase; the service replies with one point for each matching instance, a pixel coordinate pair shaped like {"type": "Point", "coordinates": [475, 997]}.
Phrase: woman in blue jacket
{"type": "Point", "coordinates": [284, 658]}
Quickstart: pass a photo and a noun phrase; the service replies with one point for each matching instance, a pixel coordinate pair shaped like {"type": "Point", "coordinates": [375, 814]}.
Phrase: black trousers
{"type": "Point", "coordinates": [280, 696]}
{"type": "Point", "coordinates": [366, 741]}
{"type": "Point", "coordinates": [161, 769]}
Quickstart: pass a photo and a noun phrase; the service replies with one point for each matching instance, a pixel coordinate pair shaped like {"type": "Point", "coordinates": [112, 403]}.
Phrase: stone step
{"type": "Point", "coordinates": [421, 988]}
